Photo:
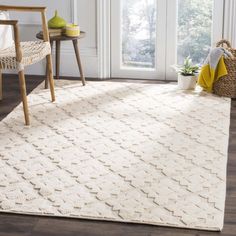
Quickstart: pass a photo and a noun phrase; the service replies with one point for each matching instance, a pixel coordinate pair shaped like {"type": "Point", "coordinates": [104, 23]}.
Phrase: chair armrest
{"type": "Point", "coordinates": [42, 10]}
{"type": "Point", "coordinates": [8, 22]}
{"type": "Point", "coordinates": [22, 8]}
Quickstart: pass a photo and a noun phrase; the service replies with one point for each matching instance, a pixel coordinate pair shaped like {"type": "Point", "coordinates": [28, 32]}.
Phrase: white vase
{"type": "Point", "coordinates": [187, 82]}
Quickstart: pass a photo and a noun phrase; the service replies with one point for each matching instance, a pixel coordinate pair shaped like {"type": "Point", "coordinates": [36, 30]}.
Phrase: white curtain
{"type": "Point", "coordinates": [230, 21]}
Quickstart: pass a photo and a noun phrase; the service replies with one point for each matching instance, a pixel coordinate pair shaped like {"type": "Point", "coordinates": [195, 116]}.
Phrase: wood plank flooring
{"type": "Point", "coordinates": [20, 225]}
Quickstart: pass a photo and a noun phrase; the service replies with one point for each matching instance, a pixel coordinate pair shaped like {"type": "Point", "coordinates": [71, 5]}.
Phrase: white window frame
{"type": "Point", "coordinates": [171, 54]}
{"type": "Point", "coordinates": [116, 64]}
{"type": "Point", "coordinates": [106, 41]}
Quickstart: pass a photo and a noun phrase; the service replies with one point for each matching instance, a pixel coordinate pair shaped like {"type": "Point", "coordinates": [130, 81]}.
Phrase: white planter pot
{"type": "Point", "coordinates": [187, 82]}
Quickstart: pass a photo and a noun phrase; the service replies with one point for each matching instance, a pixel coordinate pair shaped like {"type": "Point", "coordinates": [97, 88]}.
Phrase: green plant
{"type": "Point", "coordinates": [188, 69]}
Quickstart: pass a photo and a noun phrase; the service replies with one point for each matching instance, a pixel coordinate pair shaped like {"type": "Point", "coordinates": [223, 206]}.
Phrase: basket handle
{"type": "Point", "coordinates": [222, 42]}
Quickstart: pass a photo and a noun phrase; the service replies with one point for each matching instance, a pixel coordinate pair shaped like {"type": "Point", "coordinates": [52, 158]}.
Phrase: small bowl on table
{"type": "Point", "coordinates": [72, 30]}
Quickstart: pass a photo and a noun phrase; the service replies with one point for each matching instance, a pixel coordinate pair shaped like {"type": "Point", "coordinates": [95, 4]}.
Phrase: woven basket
{"type": "Point", "coordinates": [226, 85]}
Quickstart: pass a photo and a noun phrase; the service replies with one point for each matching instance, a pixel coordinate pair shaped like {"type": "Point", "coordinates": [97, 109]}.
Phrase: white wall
{"type": "Point", "coordinates": [229, 21]}
{"type": "Point", "coordinates": [82, 12]}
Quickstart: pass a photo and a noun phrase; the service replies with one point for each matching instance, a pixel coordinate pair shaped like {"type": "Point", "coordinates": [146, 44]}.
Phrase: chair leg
{"type": "Point", "coordinates": [47, 75]}
{"type": "Point", "coordinates": [1, 85]}
{"type": "Point", "coordinates": [50, 76]}
{"type": "Point", "coordinates": [24, 96]}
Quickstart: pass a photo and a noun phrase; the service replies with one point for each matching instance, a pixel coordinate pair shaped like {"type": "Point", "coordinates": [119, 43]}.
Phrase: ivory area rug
{"type": "Point", "coordinates": [127, 152]}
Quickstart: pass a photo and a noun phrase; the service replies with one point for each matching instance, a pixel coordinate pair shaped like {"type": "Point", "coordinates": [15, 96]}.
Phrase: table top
{"type": "Point", "coordinates": [62, 37]}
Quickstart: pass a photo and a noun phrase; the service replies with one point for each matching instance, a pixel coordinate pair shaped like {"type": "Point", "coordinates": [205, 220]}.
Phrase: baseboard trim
{"type": "Point", "coordinates": [131, 80]}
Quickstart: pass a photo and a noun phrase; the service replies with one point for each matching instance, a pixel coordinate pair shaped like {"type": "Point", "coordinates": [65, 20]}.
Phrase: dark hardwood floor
{"type": "Point", "coordinates": [19, 225]}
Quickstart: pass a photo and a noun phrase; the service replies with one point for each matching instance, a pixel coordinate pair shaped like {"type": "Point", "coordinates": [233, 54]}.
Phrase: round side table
{"type": "Point", "coordinates": [57, 40]}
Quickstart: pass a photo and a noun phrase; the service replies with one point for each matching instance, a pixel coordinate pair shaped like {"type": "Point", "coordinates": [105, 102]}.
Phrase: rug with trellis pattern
{"type": "Point", "coordinates": [127, 152]}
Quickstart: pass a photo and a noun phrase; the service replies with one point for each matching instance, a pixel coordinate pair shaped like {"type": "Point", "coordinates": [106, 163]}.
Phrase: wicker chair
{"type": "Point", "coordinates": [22, 54]}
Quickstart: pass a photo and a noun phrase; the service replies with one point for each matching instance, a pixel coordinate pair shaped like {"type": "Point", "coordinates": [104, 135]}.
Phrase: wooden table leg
{"type": "Point", "coordinates": [76, 48]}
{"type": "Point", "coordinates": [47, 69]}
{"type": "Point", "coordinates": [58, 51]}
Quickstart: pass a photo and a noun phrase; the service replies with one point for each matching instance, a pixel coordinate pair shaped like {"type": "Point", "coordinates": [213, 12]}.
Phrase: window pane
{"type": "Point", "coordinates": [138, 33]}
{"type": "Point", "coordinates": [194, 29]}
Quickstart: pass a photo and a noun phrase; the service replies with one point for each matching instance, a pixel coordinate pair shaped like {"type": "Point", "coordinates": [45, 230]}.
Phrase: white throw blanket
{"type": "Point", "coordinates": [215, 55]}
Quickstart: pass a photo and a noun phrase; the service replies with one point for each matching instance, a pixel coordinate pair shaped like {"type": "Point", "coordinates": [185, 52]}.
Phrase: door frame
{"type": "Point", "coordinates": [171, 53]}
{"type": "Point", "coordinates": [104, 35]}
{"type": "Point", "coordinates": [104, 38]}
{"type": "Point", "coordinates": [116, 45]}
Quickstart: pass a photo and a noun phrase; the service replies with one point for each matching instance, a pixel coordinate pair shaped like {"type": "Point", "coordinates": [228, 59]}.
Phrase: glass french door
{"type": "Point", "coordinates": [148, 36]}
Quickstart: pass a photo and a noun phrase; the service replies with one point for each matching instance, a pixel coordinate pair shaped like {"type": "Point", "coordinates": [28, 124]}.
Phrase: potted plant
{"type": "Point", "coordinates": [187, 75]}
